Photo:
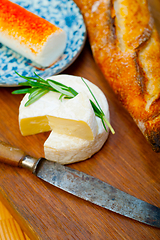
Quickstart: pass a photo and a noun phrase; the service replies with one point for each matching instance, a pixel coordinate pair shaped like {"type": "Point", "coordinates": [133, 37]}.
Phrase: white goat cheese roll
{"type": "Point", "coordinates": [30, 35]}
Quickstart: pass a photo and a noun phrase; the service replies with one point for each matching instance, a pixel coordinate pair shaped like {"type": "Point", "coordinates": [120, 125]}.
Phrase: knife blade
{"type": "Point", "coordinates": [83, 186]}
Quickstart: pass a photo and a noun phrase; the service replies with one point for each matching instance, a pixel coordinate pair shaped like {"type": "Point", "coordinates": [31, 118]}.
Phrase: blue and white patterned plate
{"type": "Point", "coordinates": [63, 13]}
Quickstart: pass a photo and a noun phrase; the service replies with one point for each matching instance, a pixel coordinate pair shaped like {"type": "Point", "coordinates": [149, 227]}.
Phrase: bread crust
{"type": "Point", "coordinates": [126, 47]}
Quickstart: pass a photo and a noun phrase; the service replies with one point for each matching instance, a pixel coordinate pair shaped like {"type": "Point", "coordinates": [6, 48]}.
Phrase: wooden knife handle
{"type": "Point", "coordinates": [10, 155]}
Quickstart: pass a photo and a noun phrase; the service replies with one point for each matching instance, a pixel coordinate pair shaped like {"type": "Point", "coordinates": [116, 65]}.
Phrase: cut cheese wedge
{"type": "Point", "coordinates": [76, 133]}
{"type": "Point", "coordinates": [34, 125]}
{"type": "Point", "coordinates": [66, 149]}
{"type": "Point", "coordinates": [30, 35]}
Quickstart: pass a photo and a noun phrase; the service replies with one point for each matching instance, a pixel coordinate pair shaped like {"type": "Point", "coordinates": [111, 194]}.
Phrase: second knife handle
{"type": "Point", "coordinates": [10, 155]}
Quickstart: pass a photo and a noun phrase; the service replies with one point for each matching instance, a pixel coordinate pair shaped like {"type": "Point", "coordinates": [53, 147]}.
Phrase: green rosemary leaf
{"type": "Point", "coordinates": [35, 84]}
{"type": "Point", "coordinates": [67, 97]}
{"type": "Point", "coordinates": [39, 85]}
{"type": "Point", "coordinates": [60, 89]}
{"type": "Point", "coordinates": [33, 81]}
{"type": "Point", "coordinates": [95, 108]}
{"type": "Point", "coordinates": [25, 77]}
{"type": "Point", "coordinates": [98, 111]}
{"type": "Point", "coordinates": [92, 95]}
{"type": "Point", "coordinates": [103, 122]}
{"type": "Point", "coordinates": [22, 91]}
{"type": "Point", "coordinates": [25, 83]}
{"type": "Point", "coordinates": [34, 92]}
{"type": "Point", "coordinates": [57, 83]}
{"type": "Point", "coordinates": [109, 125]}
{"type": "Point", "coordinates": [39, 78]}
{"type": "Point", "coordinates": [98, 108]}
{"type": "Point", "coordinates": [36, 96]}
{"type": "Point", "coordinates": [73, 91]}
{"type": "Point", "coordinates": [61, 96]}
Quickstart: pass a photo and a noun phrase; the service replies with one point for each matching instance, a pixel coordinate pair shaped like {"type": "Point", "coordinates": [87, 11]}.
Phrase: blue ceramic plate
{"type": "Point", "coordinates": [63, 13]}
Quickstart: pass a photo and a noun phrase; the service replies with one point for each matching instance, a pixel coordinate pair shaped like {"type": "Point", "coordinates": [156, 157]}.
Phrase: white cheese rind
{"type": "Point", "coordinates": [66, 149]}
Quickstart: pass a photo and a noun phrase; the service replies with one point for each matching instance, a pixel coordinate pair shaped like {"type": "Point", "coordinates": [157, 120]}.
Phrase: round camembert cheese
{"type": "Point", "coordinates": [76, 133]}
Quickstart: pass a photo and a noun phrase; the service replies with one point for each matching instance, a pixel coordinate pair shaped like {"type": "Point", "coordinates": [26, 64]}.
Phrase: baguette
{"type": "Point", "coordinates": [30, 35]}
{"type": "Point", "coordinates": [126, 47]}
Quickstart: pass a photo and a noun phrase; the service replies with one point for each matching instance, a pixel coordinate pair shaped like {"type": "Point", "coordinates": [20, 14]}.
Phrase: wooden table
{"type": "Point", "coordinates": [126, 161]}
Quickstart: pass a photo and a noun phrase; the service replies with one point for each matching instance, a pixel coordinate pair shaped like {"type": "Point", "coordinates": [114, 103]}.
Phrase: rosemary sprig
{"type": "Point", "coordinates": [39, 87]}
{"type": "Point", "coordinates": [98, 111]}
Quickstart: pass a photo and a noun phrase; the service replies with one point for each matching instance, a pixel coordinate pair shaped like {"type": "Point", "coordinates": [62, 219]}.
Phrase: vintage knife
{"type": "Point", "coordinates": [83, 186]}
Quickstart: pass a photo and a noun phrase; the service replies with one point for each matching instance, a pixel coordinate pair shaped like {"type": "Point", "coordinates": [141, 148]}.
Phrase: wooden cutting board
{"type": "Point", "coordinates": [9, 228]}
{"type": "Point", "coordinates": [126, 161]}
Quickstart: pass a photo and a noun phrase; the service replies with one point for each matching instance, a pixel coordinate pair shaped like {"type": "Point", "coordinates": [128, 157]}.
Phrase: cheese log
{"type": "Point", "coordinates": [30, 35]}
{"type": "Point", "coordinates": [126, 47]}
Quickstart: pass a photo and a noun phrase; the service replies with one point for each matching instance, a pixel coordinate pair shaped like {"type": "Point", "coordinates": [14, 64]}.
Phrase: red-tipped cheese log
{"type": "Point", "coordinates": [30, 35]}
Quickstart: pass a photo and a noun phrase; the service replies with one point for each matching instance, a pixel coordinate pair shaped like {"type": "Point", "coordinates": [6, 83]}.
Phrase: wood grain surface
{"type": "Point", "coordinates": [9, 228]}
{"type": "Point", "coordinates": [126, 161]}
